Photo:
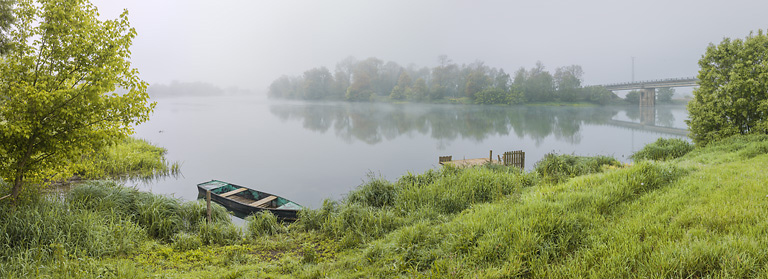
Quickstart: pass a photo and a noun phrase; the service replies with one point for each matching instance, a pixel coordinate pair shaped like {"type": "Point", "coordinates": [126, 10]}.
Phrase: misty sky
{"type": "Point", "coordinates": [250, 43]}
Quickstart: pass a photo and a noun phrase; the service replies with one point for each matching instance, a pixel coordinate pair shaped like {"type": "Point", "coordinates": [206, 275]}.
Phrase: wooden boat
{"type": "Point", "coordinates": [248, 201]}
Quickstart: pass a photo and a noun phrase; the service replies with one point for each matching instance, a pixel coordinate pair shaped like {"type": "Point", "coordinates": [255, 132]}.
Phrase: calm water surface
{"type": "Point", "coordinates": [308, 152]}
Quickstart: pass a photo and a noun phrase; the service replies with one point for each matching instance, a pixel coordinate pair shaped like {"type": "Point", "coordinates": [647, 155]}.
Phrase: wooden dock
{"type": "Point", "coordinates": [511, 158]}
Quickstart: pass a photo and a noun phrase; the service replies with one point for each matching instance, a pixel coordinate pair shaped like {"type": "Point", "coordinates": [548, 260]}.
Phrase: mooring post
{"type": "Point", "coordinates": [208, 204]}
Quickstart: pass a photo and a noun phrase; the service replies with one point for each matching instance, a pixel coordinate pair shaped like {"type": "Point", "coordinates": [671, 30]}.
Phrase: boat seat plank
{"type": "Point", "coordinates": [227, 194]}
{"type": "Point", "coordinates": [263, 201]}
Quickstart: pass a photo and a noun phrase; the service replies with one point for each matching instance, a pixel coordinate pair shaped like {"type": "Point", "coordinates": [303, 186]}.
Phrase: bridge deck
{"type": "Point", "coordinates": [662, 83]}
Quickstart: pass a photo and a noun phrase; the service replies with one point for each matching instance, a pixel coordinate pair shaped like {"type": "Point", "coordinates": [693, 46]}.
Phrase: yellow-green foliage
{"type": "Point", "coordinates": [130, 158]}
{"type": "Point", "coordinates": [59, 101]}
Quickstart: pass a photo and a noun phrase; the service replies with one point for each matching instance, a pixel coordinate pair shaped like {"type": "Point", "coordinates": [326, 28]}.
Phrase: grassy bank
{"type": "Point", "coordinates": [697, 214]}
{"type": "Point", "coordinates": [130, 158]}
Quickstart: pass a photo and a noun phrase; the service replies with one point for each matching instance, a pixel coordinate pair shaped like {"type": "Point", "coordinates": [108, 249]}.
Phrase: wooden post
{"type": "Point", "coordinates": [490, 157]}
{"type": "Point", "coordinates": [208, 204]}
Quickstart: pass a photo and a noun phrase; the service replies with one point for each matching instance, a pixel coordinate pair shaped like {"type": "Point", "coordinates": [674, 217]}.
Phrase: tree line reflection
{"type": "Point", "coordinates": [374, 123]}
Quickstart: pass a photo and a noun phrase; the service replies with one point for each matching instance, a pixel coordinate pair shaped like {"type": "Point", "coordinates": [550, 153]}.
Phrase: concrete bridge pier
{"type": "Point", "coordinates": [648, 115]}
{"type": "Point", "coordinates": [648, 97]}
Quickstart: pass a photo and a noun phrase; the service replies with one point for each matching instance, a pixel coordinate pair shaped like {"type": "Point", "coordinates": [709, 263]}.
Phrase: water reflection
{"type": "Point", "coordinates": [374, 123]}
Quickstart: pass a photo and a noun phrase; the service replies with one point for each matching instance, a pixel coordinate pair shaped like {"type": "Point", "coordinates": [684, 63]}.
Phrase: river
{"type": "Point", "coordinates": [308, 152]}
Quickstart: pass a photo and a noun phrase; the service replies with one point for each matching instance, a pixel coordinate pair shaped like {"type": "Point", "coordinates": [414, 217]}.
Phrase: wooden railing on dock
{"type": "Point", "coordinates": [510, 158]}
{"type": "Point", "coordinates": [514, 158]}
{"type": "Point", "coordinates": [444, 159]}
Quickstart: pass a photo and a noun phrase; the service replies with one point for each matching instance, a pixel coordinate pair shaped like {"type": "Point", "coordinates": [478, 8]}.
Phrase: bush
{"type": "Point", "coordinates": [732, 96]}
{"type": "Point", "coordinates": [499, 96]}
{"type": "Point", "coordinates": [558, 168]}
{"type": "Point", "coordinates": [663, 149]}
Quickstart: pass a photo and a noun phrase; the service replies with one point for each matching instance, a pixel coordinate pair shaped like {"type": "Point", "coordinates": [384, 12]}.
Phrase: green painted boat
{"type": "Point", "coordinates": [248, 201]}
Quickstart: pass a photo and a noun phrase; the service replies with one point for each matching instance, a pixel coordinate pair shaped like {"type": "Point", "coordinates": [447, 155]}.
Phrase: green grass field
{"type": "Point", "coordinates": [698, 214]}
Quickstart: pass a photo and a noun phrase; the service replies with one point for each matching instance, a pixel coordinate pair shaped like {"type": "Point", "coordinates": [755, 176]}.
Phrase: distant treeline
{"type": "Point", "coordinates": [372, 79]}
{"type": "Point", "coordinates": [186, 89]}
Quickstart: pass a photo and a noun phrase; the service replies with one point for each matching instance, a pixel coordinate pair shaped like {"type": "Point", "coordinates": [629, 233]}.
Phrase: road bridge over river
{"type": "Point", "coordinates": [648, 87]}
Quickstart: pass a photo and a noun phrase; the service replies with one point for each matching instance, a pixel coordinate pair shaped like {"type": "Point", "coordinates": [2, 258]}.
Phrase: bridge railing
{"type": "Point", "coordinates": [669, 80]}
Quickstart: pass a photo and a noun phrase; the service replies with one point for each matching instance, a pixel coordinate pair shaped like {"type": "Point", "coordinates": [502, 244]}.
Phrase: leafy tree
{"type": "Point", "coordinates": [568, 83]}
{"type": "Point", "coordinates": [477, 81]}
{"type": "Point", "coordinates": [387, 78]}
{"type": "Point", "coordinates": [502, 81]}
{"type": "Point", "coordinates": [318, 83]}
{"type": "Point", "coordinates": [633, 97]}
{"type": "Point", "coordinates": [403, 83]}
{"type": "Point", "coordinates": [364, 76]}
{"type": "Point", "coordinates": [600, 95]}
{"type": "Point", "coordinates": [664, 95]}
{"type": "Point", "coordinates": [57, 90]}
{"type": "Point", "coordinates": [284, 87]}
{"type": "Point", "coordinates": [444, 79]}
{"type": "Point", "coordinates": [538, 85]}
{"type": "Point", "coordinates": [343, 77]}
{"type": "Point", "coordinates": [732, 97]}
{"type": "Point", "coordinates": [419, 90]}
{"type": "Point", "coordinates": [6, 20]}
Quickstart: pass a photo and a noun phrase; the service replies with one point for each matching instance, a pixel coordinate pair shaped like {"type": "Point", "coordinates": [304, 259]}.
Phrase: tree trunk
{"type": "Point", "coordinates": [18, 181]}
{"type": "Point", "coordinates": [16, 187]}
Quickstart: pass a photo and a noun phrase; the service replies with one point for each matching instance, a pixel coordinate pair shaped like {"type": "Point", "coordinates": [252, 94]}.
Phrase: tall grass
{"type": "Point", "coordinates": [379, 207]}
{"type": "Point", "coordinates": [698, 216]}
{"type": "Point", "coordinates": [48, 230]}
{"type": "Point", "coordinates": [559, 168]}
{"type": "Point", "coordinates": [663, 149]}
{"type": "Point", "coordinates": [101, 218]}
{"type": "Point", "coordinates": [261, 224]}
{"type": "Point", "coordinates": [131, 158]}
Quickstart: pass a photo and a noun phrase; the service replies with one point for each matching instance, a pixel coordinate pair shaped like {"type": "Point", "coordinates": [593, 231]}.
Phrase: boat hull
{"type": "Point", "coordinates": [247, 209]}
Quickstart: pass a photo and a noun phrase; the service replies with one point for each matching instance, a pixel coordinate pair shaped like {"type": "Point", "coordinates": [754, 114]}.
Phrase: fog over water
{"type": "Point", "coordinates": [310, 151]}
{"type": "Point", "coordinates": [250, 43]}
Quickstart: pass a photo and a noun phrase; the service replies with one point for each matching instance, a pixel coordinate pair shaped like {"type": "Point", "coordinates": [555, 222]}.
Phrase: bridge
{"type": "Point", "coordinates": [648, 87]}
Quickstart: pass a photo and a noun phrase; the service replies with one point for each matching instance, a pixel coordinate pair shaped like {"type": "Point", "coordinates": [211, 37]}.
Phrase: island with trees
{"type": "Point", "coordinates": [375, 80]}
{"type": "Point", "coordinates": [681, 210]}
